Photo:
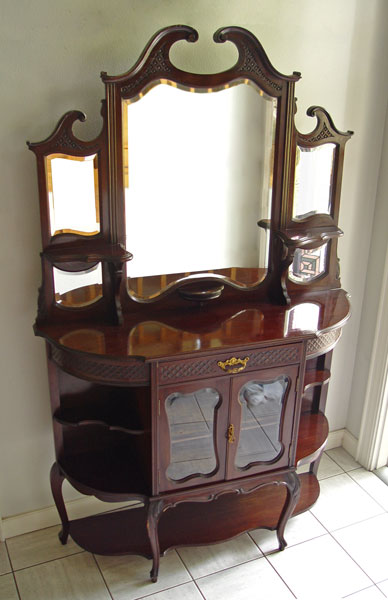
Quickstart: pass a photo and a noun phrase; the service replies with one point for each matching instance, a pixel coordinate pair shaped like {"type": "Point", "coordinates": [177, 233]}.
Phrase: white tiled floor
{"type": "Point", "coordinates": [335, 550]}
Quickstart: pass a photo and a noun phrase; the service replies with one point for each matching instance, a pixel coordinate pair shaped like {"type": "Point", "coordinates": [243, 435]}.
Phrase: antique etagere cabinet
{"type": "Point", "coordinates": [190, 301]}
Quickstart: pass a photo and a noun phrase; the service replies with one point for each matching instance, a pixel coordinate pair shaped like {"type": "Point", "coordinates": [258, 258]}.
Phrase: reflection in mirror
{"type": "Point", "coordinates": [302, 317]}
{"type": "Point", "coordinates": [198, 178]}
{"type": "Point", "coordinates": [308, 264]}
{"type": "Point", "coordinates": [78, 289]}
{"type": "Point", "coordinates": [72, 183]}
{"type": "Point", "coordinates": [313, 177]}
{"type": "Point", "coordinates": [191, 419]}
{"type": "Point", "coordinates": [261, 412]}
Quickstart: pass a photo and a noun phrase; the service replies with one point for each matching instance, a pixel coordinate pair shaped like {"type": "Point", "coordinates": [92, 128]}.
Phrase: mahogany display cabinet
{"type": "Point", "coordinates": [190, 301]}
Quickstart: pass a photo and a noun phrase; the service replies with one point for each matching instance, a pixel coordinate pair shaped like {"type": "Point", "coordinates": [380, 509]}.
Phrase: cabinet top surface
{"type": "Point", "coordinates": [154, 334]}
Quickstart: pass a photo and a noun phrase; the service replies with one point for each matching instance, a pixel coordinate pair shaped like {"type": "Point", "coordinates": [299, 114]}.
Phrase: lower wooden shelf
{"type": "Point", "coordinates": [190, 523]}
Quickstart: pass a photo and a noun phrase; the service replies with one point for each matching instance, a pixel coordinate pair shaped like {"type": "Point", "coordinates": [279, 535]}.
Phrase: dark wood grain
{"type": "Point", "coordinates": [132, 343]}
{"type": "Point", "coordinates": [124, 532]}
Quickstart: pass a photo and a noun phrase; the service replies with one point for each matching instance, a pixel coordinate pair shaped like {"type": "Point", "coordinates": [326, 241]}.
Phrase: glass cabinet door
{"type": "Point", "coordinates": [192, 433]}
{"type": "Point", "coordinates": [262, 404]}
{"type": "Point", "coordinates": [261, 413]}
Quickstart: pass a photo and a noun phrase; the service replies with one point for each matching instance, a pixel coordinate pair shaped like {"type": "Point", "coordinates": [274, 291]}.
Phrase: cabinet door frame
{"type": "Point", "coordinates": [222, 386]}
{"type": "Point", "coordinates": [287, 423]}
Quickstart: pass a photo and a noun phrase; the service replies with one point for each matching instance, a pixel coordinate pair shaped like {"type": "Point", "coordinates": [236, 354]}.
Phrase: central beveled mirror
{"type": "Point", "coordinates": [198, 171]}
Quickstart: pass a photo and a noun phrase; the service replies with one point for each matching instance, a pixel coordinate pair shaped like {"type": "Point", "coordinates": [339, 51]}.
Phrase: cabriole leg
{"type": "Point", "coordinates": [154, 512]}
{"type": "Point", "coordinates": [293, 491]}
{"type": "Point", "coordinates": [56, 481]}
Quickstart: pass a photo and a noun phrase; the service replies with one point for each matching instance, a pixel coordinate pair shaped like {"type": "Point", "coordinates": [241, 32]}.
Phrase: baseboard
{"type": "Point", "coordinates": [84, 507]}
{"type": "Point", "coordinates": [335, 439]}
{"type": "Point", "coordinates": [350, 443]}
{"type": "Point", "coordinates": [47, 517]}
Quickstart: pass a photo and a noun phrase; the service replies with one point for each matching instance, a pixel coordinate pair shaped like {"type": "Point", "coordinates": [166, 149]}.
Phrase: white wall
{"type": "Point", "coordinates": [51, 54]}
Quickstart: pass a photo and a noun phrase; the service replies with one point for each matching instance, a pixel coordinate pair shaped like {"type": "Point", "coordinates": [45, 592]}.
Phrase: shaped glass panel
{"type": "Point", "coordinates": [72, 183]}
{"type": "Point", "coordinates": [261, 412]}
{"type": "Point", "coordinates": [308, 264]}
{"type": "Point", "coordinates": [198, 177]}
{"type": "Point", "coordinates": [78, 289]}
{"type": "Point", "coordinates": [313, 178]}
{"type": "Point", "coordinates": [191, 420]}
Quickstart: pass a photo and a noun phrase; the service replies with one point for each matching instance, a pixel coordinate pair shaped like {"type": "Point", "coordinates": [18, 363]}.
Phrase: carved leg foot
{"type": "Point", "coordinates": [293, 491]}
{"type": "Point", "coordinates": [154, 512]}
{"type": "Point", "coordinates": [56, 481]}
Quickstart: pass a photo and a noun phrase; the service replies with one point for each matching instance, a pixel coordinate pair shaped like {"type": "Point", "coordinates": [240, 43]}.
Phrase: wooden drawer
{"type": "Point", "coordinates": [197, 368]}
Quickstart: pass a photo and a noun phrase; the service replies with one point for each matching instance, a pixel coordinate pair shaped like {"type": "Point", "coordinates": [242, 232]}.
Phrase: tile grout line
{"type": "Point", "coordinates": [50, 560]}
{"type": "Point", "coordinates": [273, 568]}
{"type": "Point", "coordinates": [363, 589]}
{"type": "Point", "coordinates": [346, 552]}
{"type": "Point", "coordinates": [16, 586]}
{"type": "Point", "coordinates": [280, 577]}
{"type": "Point", "coordinates": [190, 573]}
{"type": "Point", "coordinates": [366, 491]}
{"type": "Point", "coordinates": [102, 576]}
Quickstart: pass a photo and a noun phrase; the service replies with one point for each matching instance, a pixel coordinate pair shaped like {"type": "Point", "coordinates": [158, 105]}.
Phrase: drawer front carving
{"type": "Point", "coordinates": [182, 370]}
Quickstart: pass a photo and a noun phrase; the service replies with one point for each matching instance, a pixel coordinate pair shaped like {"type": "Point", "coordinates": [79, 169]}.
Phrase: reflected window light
{"type": "Point", "coordinates": [72, 183]}
{"type": "Point", "coordinates": [188, 155]}
{"type": "Point", "coordinates": [77, 289]}
{"type": "Point", "coordinates": [313, 180]}
{"type": "Point", "coordinates": [302, 317]}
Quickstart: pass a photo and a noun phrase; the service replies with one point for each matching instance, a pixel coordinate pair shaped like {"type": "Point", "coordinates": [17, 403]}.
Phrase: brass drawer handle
{"type": "Point", "coordinates": [232, 362]}
{"type": "Point", "coordinates": [231, 438]}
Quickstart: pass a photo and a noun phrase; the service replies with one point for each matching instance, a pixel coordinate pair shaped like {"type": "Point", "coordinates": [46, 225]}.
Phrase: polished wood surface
{"type": "Point", "coordinates": [118, 349]}
{"type": "Point", "coordinates": [212, 327]}
{"type": "Point", "coordinates": [185, 525]}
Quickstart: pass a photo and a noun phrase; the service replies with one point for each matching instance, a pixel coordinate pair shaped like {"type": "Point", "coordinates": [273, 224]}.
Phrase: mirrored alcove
{"type": "Point", "coordinates": [72, 184]}
{"type": "Point", "coordinates": [198, 177]}
{"type": "Point", "coordinates": [308, 264]}
{"type": "Point", "coordinates": [77, 289]}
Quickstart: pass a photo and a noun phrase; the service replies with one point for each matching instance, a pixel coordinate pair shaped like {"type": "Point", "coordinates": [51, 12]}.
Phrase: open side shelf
{"type": "Point", "coordinates": [314, 377]}
{"type": "Point", "coordinates": [313, 432]}
{"type": "Point", "coordinates": [114, 470]}
{"type": "Point", "coordinates": [112, 475]}
{"type": "Point", "coordinates": [190, 523]}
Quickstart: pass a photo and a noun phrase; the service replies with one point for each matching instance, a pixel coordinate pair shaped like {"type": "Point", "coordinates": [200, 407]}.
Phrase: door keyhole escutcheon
{"type": "Point", "coordinates": [231, 437]}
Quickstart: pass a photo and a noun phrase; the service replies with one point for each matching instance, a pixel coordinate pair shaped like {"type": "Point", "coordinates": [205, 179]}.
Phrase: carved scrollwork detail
{"type": "Point", "coordinates": [250, 65]}
{"type": "Point", "coordinates": [323, 343]}
{"type": "Point", "coordinates": [88, 367]}
{"type": "Point", "coordinates": [158, 64]}
{"type": "Point", "coordinates": [322, 135]}
{"type": "Point", "coordinates": [175, 370]}
{"type": "Point", "coordinates": [65, 141]}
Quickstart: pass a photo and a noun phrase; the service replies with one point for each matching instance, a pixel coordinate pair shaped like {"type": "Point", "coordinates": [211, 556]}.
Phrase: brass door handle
{"type": "Point", "coordinates": [231, 438]}
{"type": "Point", "coordinates": [230, 365]}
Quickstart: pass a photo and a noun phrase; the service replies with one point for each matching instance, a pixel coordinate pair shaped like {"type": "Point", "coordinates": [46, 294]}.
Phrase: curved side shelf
{"type": "Point", "coordinates": [315, 377]}
{"type": "Point", "coordinates": [323, 343]}
{"type": "Point", "coordinates": [111, 476]}
{"type": "Point", "coordinates": [99, 369]}
{"type": "Point", "coordinates": [94, 423]}
{"type": "Point", "coordinates": [313, 432]}
{"type": "Point", "coordinates": [69, 419]}
{"type": "Point", "coordinates": [185, 525]}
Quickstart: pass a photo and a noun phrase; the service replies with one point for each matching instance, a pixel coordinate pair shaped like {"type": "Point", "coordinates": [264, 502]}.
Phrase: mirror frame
{"type": "Point", "coordinates": [76, 252]}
